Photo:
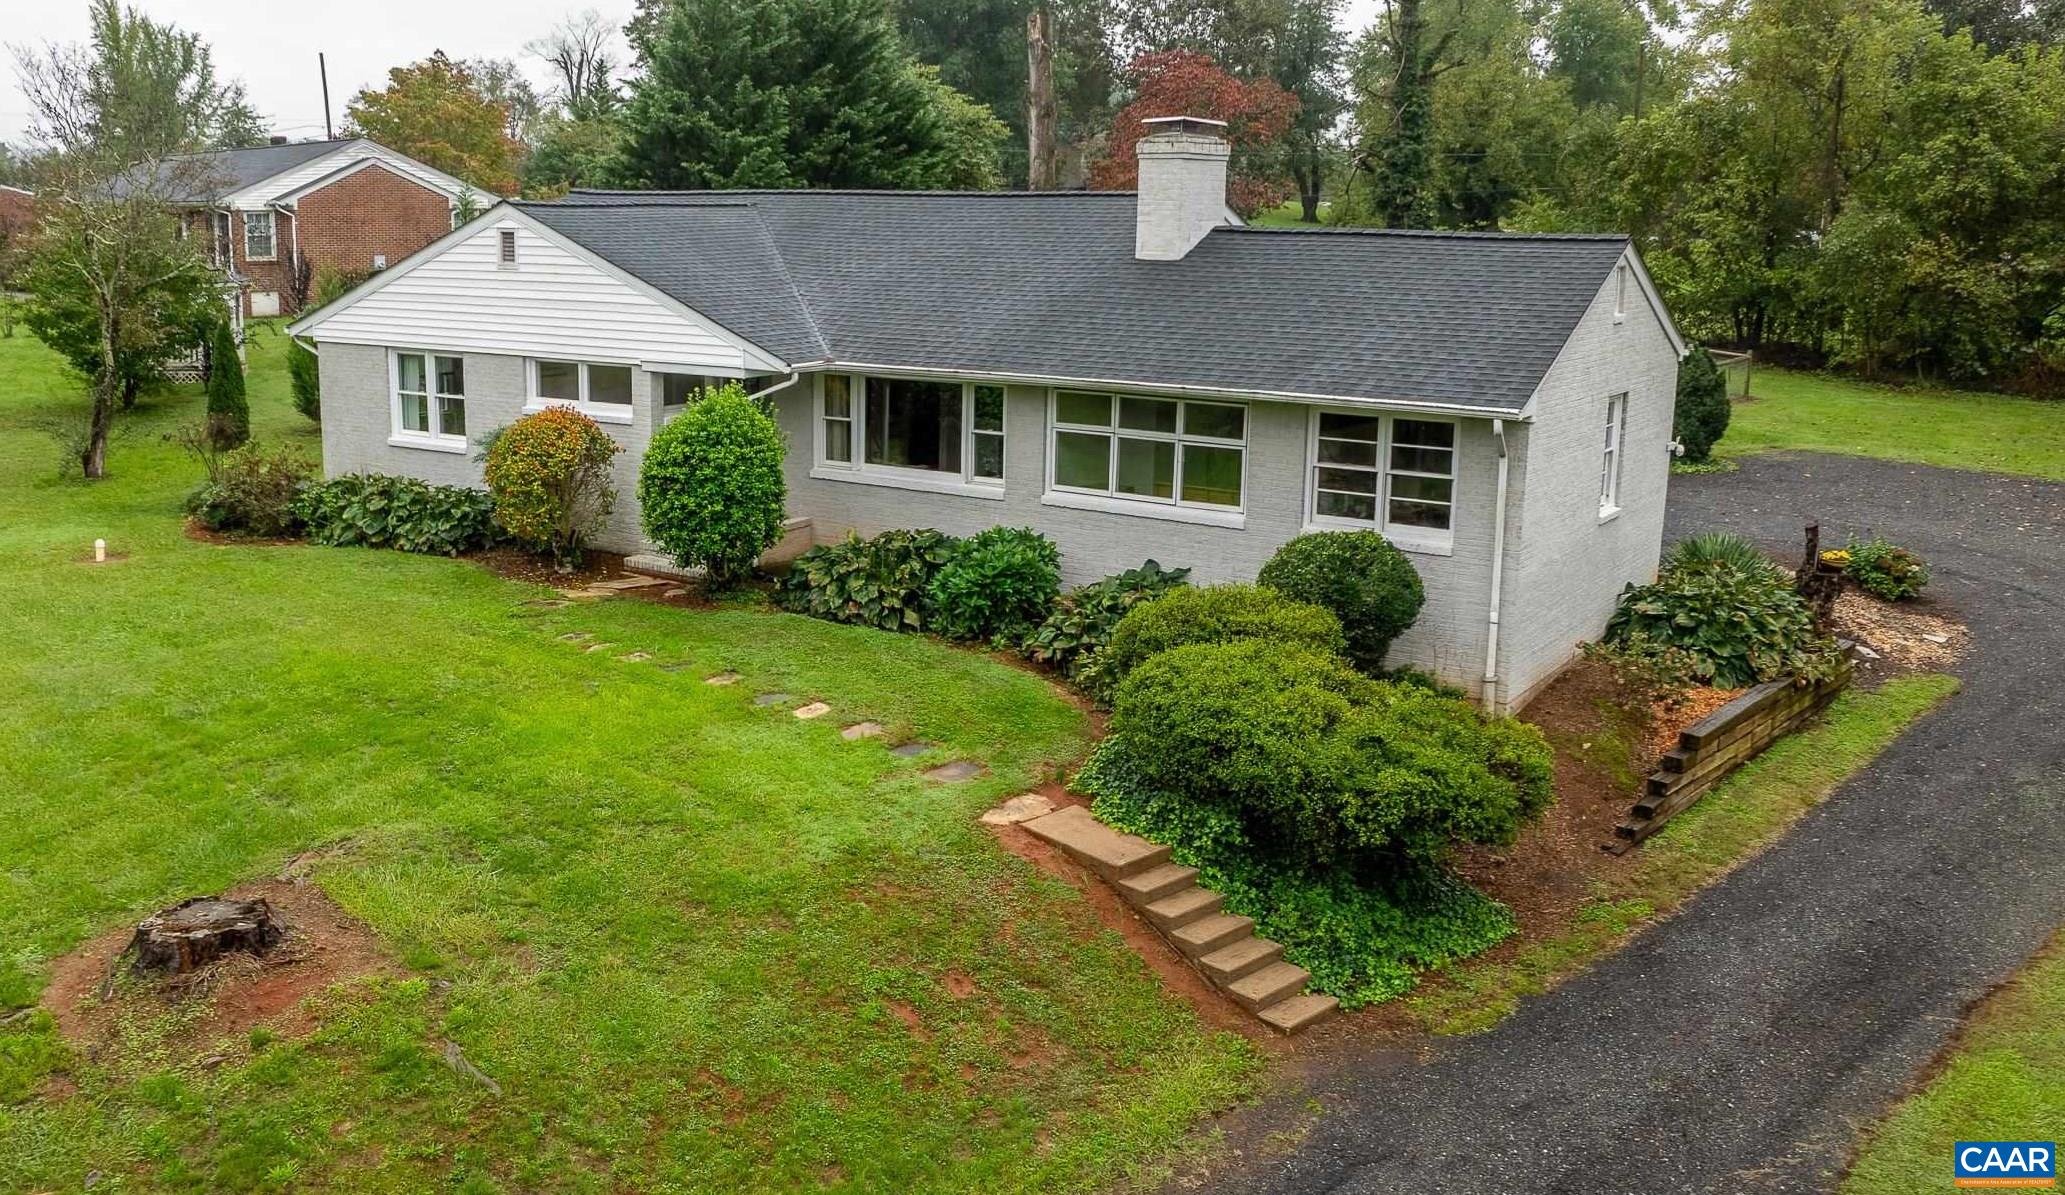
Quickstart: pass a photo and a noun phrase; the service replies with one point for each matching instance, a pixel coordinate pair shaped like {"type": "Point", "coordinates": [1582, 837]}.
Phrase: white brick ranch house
{"type": "Point", "coordinates": [1135, 376]}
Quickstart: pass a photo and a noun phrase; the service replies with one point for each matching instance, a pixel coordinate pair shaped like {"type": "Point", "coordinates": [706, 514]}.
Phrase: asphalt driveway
{"type": "Point", "coordinates": [1744, 1044]}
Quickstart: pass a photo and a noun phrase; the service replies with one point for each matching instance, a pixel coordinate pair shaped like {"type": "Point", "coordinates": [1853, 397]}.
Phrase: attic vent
{"type": "Point", "coordinates": [508, 246]}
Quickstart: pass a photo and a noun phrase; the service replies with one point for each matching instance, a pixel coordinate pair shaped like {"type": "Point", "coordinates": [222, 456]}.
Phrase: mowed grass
{"type": "Point", "coordinates": [1742, 815]}
{"type": "Point", "coordinates": [1955, 429]}
{"type": "Point", "coordinates": [2006, 1082]}
{"type": "Point", "coordinates": [701, 946]}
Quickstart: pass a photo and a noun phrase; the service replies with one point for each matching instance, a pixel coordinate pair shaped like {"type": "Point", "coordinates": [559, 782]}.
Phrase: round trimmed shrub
{"type": "Point", "coordinates": [998, 582]}
{"type": "Point", "coordinates": [1701, 416]}
{"type": "Point", "coordinates": [1324, 767]}
{"type": "Point", "coordinates": [1886, 571]}
{"type": "Point", "coordinates": [711, 486]}
{"type": "Point", "coordinates": [1359, 575]}
{"type": "Point", "coordinates": [549, 473]}
{"type": "Point", "coordinates": [1212, 614]}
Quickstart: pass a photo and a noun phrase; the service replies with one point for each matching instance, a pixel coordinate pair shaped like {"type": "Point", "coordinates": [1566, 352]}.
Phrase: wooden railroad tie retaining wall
{"type": "Point", "coordinates": [1718, 744]}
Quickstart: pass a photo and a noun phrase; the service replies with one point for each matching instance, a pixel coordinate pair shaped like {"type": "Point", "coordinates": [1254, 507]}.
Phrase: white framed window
{"type": "Point", "coordinates": [1609, 468]}
{"type": "Point", "coordinates": [601, 392]}
{"type": "Point", "coordinates": [429, 400]}
{"type": "Point", "coordinates": [218, 223]}
{"type": "Point", "coordinates": [1394, 474]}
{"type": "Point", "coordinates": [259, 242]}
{"type": "Point", "coordinates": [1169, 452]}
{"type": "Point", "coordinates": [914, 433]}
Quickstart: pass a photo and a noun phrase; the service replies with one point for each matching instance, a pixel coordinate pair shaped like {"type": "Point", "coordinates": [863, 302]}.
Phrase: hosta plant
{"type": "Point", "coordinates": [1083, 618]}
{"type": "Point", "coordinates": [881, 582]}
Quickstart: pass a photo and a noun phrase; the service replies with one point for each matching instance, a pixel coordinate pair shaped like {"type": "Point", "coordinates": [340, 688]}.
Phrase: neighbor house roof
{"type": "Point", "coordinates": [293, 169]}
{"type": "Point", "coordinates": [1047, 285]}
{"type": "Point", "coordinates": [213, 175]}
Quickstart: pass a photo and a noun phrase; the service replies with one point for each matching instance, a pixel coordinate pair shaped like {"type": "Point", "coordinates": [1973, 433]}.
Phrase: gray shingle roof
{"type": "Point", "coordinates": [1046, 285]}
{"type": "Point", "coordinates": [225, 171]}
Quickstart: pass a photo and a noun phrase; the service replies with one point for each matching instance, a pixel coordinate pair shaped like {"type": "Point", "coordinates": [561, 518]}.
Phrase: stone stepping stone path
{"type": "Point", "coordinates": [1021, 808]}
{"type": "Point", "coordinates": [1221, 945]}
{"type": "Point", "coordinates": [861, 730]}
{"type": "Point", "coordinates": [576, 637]}
{"type": "Point", "coordinates": [767, 699]}
{"type": "Point", "coordinates": [636, 657]}
{"type": "Point", "coordinates": [548, 603]}
{"type": "Point", "coordinates": [912, 749]}
{"type": "Point", "coordinates": [955, 772]}
{"type": "Point", "coordinates": [723, 678]}
{"type": "Point", "coordinates": [681, 666]}
{"type": "Point", "coordinates": [595, 647]}
{"type": "Point", "coordinates": [623, 584]}
{"type": "Point", "coordinates": [816, 709]}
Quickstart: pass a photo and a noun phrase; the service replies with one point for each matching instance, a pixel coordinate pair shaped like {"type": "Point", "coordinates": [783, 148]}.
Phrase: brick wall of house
{"type": "Point", "coordinates": [17, 211]}
{"type": "Point", "coordinates": [371, 213]}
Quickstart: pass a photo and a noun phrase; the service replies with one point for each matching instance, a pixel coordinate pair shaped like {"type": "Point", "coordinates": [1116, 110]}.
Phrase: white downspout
{"type": "Point", "coordinates": [1498, 571]}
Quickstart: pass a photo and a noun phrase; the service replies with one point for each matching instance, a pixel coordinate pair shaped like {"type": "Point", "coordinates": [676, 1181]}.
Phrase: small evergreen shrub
{"type": "Point", "coordinates": [1885, 571]}
{"type": "Point", "coordinates": [373, 510]}
{"type": "Point", "coordinates": [1722, 548]}
{"type": "Point", "coordinates": [304, 378]}
{"type": "Point", "coordinates": [1738, 628]}
{"type": "Point", "coordinates": [229, 415]}
{"type": "Point", "coordinates": [1700, 418]}
{"type": "Point", "coordinates": [254, 492]}
{"type": "Point", "coordinates": [549, 473]}
{"type": "Point", "coordinates": [1213, 614]}
{"type": "Point", "coordinates": [1359, 575]}
{"type": "Point", "coordinates": [881, 582]}
{"type": "Point", "coordinates": [1083, 618]}
{"type": "Point", "coordinates": [997, 583]}
{"type": "Point", "coordinates": [711, 485]}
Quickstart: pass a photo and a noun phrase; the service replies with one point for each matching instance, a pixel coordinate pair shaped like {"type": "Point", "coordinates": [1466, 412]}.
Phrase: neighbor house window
{"type": "Point", "coordinates": [430, 399]}
{"type": "Point", "coordinates": [1609, 470]}
{"type": "Point", "coordinates": [602, 391]}
{"type": "Point", "coordinates": [258, 236]}
{"type": "Point", "coordinates": [218, 223]}
{"type": "Point", "coordinates": [937, 433]}
{"type": "Point", "coordinates": [1388, 473]}
{"type": "Point", "coordinates": [1161, 450]}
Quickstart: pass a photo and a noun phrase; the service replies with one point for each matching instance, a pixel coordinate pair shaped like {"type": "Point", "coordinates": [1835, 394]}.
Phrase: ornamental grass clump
{"type": "Point", "coordinates": [711, 485]}
{"type": "Point", "coordinates": [1360, 576]}
{"type": "Point", "coordinates": [549, 473]}
{"type": "Point", "coordinates": [1884, 570]}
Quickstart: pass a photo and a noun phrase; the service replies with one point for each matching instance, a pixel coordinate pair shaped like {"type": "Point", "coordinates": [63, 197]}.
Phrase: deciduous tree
{"type": "Point", "coordinates": [438, 112]}
{"type": "Point", "coordinates": [1185, 83]}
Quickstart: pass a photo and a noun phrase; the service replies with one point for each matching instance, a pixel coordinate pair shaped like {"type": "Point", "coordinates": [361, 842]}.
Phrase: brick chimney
{"type": "Point", "coordinates": [1182, 185]}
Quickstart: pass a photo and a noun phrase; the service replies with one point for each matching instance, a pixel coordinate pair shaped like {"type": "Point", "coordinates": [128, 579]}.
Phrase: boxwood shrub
{"type": "Point", "coordinates": [374, 510]}
{"type": "Point", "coordinates": [1083, 618]}
{"type": "Point", "coordinates": [882, 582]}
{"type": "Point", "coordinates": [711, 487]}
{"type": "Point", "coordinates": [1359, 575]}
{"type": "Point", "coordinates": [997, 583]}
{"type": "Point", "coordinates": [1212, 614]}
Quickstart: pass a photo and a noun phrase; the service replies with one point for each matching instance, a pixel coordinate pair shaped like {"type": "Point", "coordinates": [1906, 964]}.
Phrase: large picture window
{"type": "Point", "coordinates": [914, 431]}
{"type": "Point", "coordinates": [602, 392]}
{"type": "Point", "coordinates": [1160, 450]}
{"type": "Point", "coordinates": [429, 400]}
{"type": "Point", "coordinates": [1390, 473]}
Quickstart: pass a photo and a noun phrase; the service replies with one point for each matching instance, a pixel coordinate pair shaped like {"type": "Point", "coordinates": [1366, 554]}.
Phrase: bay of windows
{"type": "Point", "coordinates": [430, 397]}
{"type": "Point", "coordinates": [950, 430]}
{"type": "Point", "coordinates": [1161, 450]}
{"type": "Point", "coordinates": [1390, 473]}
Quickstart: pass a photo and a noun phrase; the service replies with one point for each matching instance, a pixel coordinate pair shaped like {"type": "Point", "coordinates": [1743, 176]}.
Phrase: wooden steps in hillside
{"type": "Point", "coordinates": [1223, 947]}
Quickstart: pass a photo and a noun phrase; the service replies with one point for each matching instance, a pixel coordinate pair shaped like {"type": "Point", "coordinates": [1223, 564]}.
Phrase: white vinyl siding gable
{"type": "Point", "coordinates": [557, 306]}
{"type": "Point", "coordinates": [267, 190]}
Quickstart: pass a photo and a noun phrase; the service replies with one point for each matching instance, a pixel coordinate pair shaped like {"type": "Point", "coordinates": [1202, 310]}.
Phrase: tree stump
{"type": "Point", "coordinates": [194, 933]}
{"type": "Point", "coordinates": [1817, 583]}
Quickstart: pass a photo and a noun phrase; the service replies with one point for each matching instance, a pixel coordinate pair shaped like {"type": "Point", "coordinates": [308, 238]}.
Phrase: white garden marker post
{"type": "Point", "coordinates": [100, 551]}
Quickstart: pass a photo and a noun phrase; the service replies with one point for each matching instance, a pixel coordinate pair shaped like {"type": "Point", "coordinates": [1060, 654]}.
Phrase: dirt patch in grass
{"type": "Point", "coordinates": [1907, 637]}
{"type": "Point", "coordinates": [324, 946]}
{"type": "Point", "coordinates": [202, 534]}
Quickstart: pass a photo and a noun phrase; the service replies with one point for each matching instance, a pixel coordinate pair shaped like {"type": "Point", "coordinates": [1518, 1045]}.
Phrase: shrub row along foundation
{"type": "Point", "coordinates": [1718, 744]}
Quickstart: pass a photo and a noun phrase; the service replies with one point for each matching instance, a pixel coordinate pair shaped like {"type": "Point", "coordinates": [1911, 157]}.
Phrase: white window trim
{"type": "Point", "coordinates": [397, 435]}
{"type": "Point", "coordinates": [273, 223]}
{"type": "Point", "coordinates": [1613, 456]}
{"type": "Point", "coordinates": [607, 412]}
{"type": "Point", "coordinates": [925, 480]}
{"type": "Point", "coordinates": [1424, 540]}
{"type": "Point", "coordinates": [1172, 508]}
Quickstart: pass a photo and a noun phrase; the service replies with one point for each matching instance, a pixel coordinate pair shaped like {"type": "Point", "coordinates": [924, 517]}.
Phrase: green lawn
{"type": "Point", "coordinates": [1953, 428]}
{"type": "Point", "coordinates": [682, 933]}
{"type": "Point", "coordinates": [2006, 1082]}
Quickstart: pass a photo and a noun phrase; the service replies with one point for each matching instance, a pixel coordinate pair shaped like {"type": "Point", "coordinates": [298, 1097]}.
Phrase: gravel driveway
{"type": "Point", "coordinates": [1744, 1044]}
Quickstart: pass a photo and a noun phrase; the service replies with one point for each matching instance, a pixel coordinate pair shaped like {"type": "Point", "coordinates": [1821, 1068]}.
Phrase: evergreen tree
{"type": "Point", "coordinates": [1701, 416]}
{"type": "Point", "coordinates": [229, 416]}
{"type": "Point", "coordinates": [787, 93]}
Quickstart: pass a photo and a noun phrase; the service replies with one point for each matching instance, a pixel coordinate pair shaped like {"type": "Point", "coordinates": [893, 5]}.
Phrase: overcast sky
{"type": "Point", "coordinates": [272, 46]}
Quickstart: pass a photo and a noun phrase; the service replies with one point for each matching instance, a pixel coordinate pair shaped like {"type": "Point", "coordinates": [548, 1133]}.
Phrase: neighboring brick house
{"type": "Point", "coordinates": [1135, 376]}
{"type": "Point", "coordinates": [351, 205]}
{"type": "Point", "coordinates": [17, 212]}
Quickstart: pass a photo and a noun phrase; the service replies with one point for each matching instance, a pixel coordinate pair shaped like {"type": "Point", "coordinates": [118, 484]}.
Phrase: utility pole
{"type": "Point", "coordinates": [323, 66]}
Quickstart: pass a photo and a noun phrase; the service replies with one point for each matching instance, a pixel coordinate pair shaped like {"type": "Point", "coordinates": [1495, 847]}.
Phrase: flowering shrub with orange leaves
{"type": "Point", "coordinates": [1187, 83]}
{"type": "Point", "coordinates": [550, 475]}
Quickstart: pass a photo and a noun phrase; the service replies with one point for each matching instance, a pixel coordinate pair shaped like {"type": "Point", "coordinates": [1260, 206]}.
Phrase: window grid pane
{"type": "Point", "coordinates": [416, 412]}
{"type": "Point", "coordinates": [609, 385]}
{"type": "Point", "coordinates": [451, 415]}
{"type": "Point", "coordinates": [1215, 421]}
{"type": "Point", "coordinates": [559, 381]}
{"type": "Point", "coordinates": [839, 440]}
{"type": "Point", "coordinates": [1146, 468]}
{"type": "Point", "coordinates": [1211, 474]}
{"type": "Point", "coordinates": [989, 409]}
{"type": "Point", "coordinates": [1147, 415]}
{"type": "Point", "coordinates": [1087, 410]}
{"type": "Point", "coordinates": [1082, 460]}
{"type": "Point", "coordinates": [989, 455]}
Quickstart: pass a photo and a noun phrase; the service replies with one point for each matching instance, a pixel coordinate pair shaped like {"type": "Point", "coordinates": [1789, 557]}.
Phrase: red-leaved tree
{"type": "Point", "coordinates": [1187, 83]}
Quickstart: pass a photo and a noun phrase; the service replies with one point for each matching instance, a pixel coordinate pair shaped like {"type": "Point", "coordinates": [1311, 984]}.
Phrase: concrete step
{"type": "Point", "coordinates": [1243, 957]}
{"type": "Point", "coordinates": [1104, 850]}
{"type": "Point", "coordinates": [1268, 985]}
{"type": "Point", "coordinates": [1152, 885]}
{"type": "Point", "coordinates": [1299, 1012]}
{"type": "Point", "coordinates": [1207, 934]}
{"type": "Point", "coordinates": [1191, 904]}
